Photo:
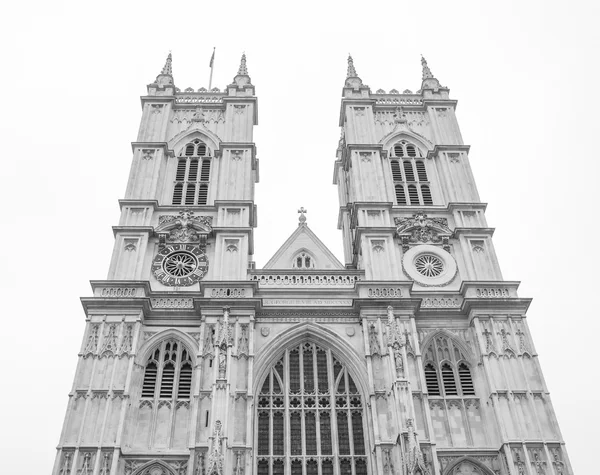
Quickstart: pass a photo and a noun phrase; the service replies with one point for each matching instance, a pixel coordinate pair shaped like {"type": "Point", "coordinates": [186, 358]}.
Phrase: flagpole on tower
{"type": "Point", "coordinates": [212, 64]}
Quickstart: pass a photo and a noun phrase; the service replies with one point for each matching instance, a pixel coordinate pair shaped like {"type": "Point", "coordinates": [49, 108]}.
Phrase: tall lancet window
{"type": "Point", "coordinates": [192, 176]}
{"type": "Point", "coordinates": [163, 413]}
{"type": "Point", "coordinates": [310, 417]}
{"type": "Point", "coordinates": [411, 183]}
{"type": "Point", "coordinates": [168, 373]}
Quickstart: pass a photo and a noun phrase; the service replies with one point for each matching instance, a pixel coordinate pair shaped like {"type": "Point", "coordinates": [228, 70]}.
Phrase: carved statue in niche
{"type": "Point", "coordinates": [243, 343]}
{"type": "Point", "coordinates": [222, 361]}
{"type": "Point", "coordinates": [398, 360]}
{"type": "Point", "coordinates": [208, 340]}
{"type": "Point", "coordinates": [374, 340]}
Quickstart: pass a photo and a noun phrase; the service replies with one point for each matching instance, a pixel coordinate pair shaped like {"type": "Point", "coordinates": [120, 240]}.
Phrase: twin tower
{"type": "Point", "coordinates": [411, 356]}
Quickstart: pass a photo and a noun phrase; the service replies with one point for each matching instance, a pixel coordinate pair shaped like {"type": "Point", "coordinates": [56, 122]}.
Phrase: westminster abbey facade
{"type": "Point", "coordinates": [410, 356]}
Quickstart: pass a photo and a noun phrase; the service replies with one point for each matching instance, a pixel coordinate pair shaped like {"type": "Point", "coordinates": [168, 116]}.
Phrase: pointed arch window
{"type": "Point", "coordinates": [447, 372]}
{"type": "Point", "coordinates": [168, 373]}
{"type": "Point", "coordinates": [310, 416]}
{"type": "Point", "coordinates": [192, 175]}
{"type": "Point", "coordinates": [303, 260]}
{"type": "Point", "coordinates": [409, 174]}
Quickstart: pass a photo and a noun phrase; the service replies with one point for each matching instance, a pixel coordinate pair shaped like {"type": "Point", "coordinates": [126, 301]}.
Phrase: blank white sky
{"type": "Point", "coordinates": [525, 75]}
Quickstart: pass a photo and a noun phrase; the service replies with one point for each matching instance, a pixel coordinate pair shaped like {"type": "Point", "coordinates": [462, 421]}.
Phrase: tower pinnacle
{"type": "Point", "coordinates": [242, 78]}
{"type": "Point", "coordinates": [243, 71]}
{"type": "Point", "coordinates": [168, 67]}
{"type": "Point", "coordinates": [351, 70]}
{"type": "Point", "coordinates": [426, 71]}
{"type": "Point", "coordinates": [165, 78]}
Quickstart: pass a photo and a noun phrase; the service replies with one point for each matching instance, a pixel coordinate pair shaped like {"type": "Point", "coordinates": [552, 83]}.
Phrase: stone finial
{"type": "Point", "coordinates": [168, 67]}
{"type": "Point", "coordinates": [242, 79]}
{"type": "Point", "coordinates": [426, 71]}
{"type": "Point", "coordinates": [243, 70]}
{"type": "Point", "coordinates": [302, 218]}
{"type": "Point", "coordinates": [165, 78]}
{"type": "Point", "coordinates": [351, 70]}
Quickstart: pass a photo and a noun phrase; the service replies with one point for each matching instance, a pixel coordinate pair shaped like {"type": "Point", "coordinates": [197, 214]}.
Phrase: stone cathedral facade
{"type": "Point", "coordinates": [412, 356]}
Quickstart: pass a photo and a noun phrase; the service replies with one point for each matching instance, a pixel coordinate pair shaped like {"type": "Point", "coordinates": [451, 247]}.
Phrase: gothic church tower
{"type": "Point", "coordinates": [411, 357]}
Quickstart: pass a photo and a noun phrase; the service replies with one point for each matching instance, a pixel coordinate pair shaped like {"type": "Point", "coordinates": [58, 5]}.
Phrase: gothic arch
{"type": "Point", "coordinates": [395, 136]}
{"type": "Point", "coordinates": [469, 357]}
{"type": "Point", "coordinates": [322, 336]}
{"type": "Point", "coordinates": [484, 470]}
{"type": "Point", "coordinates": [154, 467]}
{"type": "Point", "coordinates": [197, 130]}
{"type": "Point", "coordinates": [149, 346]}
{"type": "Point", "coordinates": [307, 252]}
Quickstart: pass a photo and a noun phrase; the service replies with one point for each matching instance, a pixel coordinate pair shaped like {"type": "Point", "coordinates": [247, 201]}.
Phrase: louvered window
{"type": "Point", "coordinates": [410, 175]}
{"type": "Point", "coordinates": [445, 363]}
{"type": "Point", "coordinates": [431, 380]}
{"type": "Point", "coordinates": [168, 373]}
{"type": "Point", "coordinates": [449, 380]}
{"type": "Point", "coordinates": [192, 175]}
{"type": "Point", "coordinates": [466, 381]}
{"type": "Point", "coordinates": [307, 401]}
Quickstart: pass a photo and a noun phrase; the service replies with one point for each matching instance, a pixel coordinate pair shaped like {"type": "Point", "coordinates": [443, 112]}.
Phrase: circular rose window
{"type": "Point", "coordinates": [429, 266]}
{"type": "Point", "coordinates": [180, 264]}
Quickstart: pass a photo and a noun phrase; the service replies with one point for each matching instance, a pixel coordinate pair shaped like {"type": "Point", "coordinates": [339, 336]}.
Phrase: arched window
{"type": "Point", "coordinates": [303, 260]}
{"type": "Point", "coordinates": [445, 362]}
{"type": "Point", "coordinates": [193, 157]}
{"type": "Point", "coordinates": [310, 416]}
{"type": "Point", "coordinates": [409, 173]}
{"type": "Point", "coordinates": [168, 373]}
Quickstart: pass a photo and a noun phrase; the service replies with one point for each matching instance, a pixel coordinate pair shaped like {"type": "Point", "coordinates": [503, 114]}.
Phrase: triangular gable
{"type": "Point", "coordinates": [303, 239]}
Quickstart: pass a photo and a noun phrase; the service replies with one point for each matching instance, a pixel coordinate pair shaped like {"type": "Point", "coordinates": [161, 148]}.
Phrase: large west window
{"type": "Point", "coordinates": [193, 174]}
{"type": "Point", "coordinates": [310, 417]}
{"type": "Point", "coordinates": [411, 183]}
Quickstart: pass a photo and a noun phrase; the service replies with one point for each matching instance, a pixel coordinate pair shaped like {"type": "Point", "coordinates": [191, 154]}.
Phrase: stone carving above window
{"type": "Point", "coordinates": [419, 228]}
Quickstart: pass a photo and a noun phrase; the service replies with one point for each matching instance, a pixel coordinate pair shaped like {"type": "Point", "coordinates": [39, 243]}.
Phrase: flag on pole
{"type": "Point", "coordinates": [212, 59]}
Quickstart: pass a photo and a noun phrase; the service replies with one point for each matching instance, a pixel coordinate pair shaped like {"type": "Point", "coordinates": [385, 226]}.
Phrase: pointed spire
{"type": "Point", "coordinates": [243, 71]}
{"type": "Point", "coordinates": [426, 71]}
{"type": "Point", "coordinates": [165, 78]}
{"type": "Point", "coordinates": [351, 70]}
{"type": "Point", "coordinates": [168, 67]}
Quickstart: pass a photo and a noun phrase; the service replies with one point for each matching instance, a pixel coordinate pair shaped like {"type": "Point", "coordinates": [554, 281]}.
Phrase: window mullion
{"type": "Point", "coordinates": [287, 448]}
{"type": "Point", "coordinates": [333, 415]}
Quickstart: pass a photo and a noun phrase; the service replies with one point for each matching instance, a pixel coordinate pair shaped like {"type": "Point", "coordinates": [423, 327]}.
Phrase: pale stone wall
{"type": "Point", "coordinates": [380, 315]}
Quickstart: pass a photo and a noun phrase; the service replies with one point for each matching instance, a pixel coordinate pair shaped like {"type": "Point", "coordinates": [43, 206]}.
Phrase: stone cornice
{"type": "Point", "coordinates": [448, 148]}
{"type": "Point", "coordinates": [440, 102]}
{"type": "Point", "coordinates": [473, 231]}
{"type": "Point", "coordinates": [161, 145]}
{"type": "Point", "coordinates": [157, 99]}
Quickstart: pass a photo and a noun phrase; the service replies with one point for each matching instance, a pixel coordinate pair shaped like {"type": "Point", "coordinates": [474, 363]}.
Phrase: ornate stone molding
{"type": "Point", "coordinates": [421, 229]}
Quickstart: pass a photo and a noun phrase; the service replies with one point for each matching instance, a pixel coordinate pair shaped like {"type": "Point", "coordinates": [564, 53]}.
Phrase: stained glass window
{"type": "Point", "coordinates": [307, 401]}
